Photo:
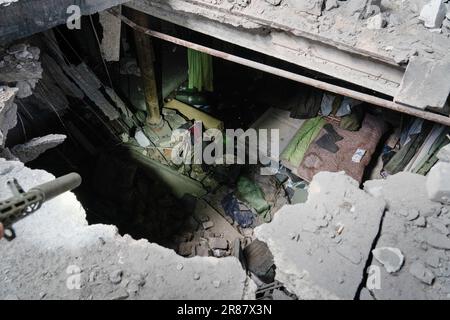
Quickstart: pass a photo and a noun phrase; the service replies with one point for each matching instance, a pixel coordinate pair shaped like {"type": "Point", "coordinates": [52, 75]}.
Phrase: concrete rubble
{"type": "Point", "coordinates": [20, 66]}
{"type": "Point", "coordinates": [8, 112]}
{"type": "Point", "coordinates": [77, 261]}
{"type": "Point", "coordinates": [32, 149]}
{"type": "Point", "coordinates": [438, 183]}
{"type": "Point", "coordinates": [320, 247]}
{"type": "Point", "coordinates": [425, 245]}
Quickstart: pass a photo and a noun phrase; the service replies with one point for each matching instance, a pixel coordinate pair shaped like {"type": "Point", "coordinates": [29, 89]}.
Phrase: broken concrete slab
{"type": "Point", "coordinates": [425, 76]}
{"type": "Point", "coordinates": [403, 192]}
{"type": "Point", "coordinates": [438, 183]}
{"type": "Point", "coordinates": [320, 247]}
{"type": "Point", "coordinates": [8, 112]}
{"type": "Point", "coordinates": [34, 148]}
{"type": "Point", "coordinates": [433, 14]}
{"type": "Point", "coordinates": [58, 242]}
{"type": "Point", "coordinates": [419, 242]}
{"type": "Point", "coordinates": [444, 154]}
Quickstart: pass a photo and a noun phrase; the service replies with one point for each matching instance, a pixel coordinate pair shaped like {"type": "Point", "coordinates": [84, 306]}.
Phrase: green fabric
{"type": "Point", "coordinates": [353, 121]}
{"type": "Point", "coordinates": [431, 159]}
{"type": "Point", "coordinates": [250, 193]}
{"type": "Point", "coordinates": [200, 71]}
{"type": "Point", "coordinates": [296, 150]}
{"type": "Point", "coordinates": [401, 159]}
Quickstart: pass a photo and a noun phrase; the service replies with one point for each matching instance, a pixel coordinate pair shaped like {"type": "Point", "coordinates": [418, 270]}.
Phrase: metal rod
{"type": "Point", "coordinates": [290, 75]}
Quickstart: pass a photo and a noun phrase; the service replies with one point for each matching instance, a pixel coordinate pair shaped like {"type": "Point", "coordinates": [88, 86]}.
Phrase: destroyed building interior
{"type": "Point", "coordinates": [341, 107]}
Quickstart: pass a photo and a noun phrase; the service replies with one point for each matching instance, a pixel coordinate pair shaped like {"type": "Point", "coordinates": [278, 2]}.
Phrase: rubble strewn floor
{"type": "Point", "coordinates": [55, 245]}
{"type": "Point", "coordinates": [320, 247]}
{"type": "Point", "coordinates": [418, 228]}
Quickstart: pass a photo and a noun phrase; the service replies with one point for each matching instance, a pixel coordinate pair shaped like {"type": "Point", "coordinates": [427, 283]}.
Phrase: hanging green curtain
{"type": "Point", "coordinates": [200, 71]}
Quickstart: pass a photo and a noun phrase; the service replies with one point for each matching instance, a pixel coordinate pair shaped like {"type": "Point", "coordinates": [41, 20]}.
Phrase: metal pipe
{"type": "Point", "coordinates": [290, 75]}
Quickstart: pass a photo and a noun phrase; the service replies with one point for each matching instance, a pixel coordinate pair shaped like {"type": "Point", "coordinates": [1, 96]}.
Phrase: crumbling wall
{"type": "Point", "coordinates": [56, 255]}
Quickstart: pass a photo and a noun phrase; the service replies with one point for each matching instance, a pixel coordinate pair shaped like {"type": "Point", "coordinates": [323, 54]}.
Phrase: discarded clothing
{"type": "Point", "coordinates": [328, 141]}
{"type": "Point", "coordinates": [231, 206]}
{"type": "Point", "coordinates": [367, 138]}
{"type": "Point", "coordinates": [200, 71]}
{"type": "Point", "coordinates": [298, 146]}
{"type": "Point", "coordinates": [308, 105]}
{"type": "Point", "coordinates": [401, 159]}
{"type": "Point", "coordinates": [250, 193]}
{"type": "Point", "coordinates": [353, 121]}
{"type": "Point", "coordinates": [347, 106]}
{"type": "Point", "coordinates": [431, 159]}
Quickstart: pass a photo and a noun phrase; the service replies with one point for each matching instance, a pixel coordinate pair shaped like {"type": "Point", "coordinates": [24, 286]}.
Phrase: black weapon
{"type": "Point", "coordinates": [24, 203]}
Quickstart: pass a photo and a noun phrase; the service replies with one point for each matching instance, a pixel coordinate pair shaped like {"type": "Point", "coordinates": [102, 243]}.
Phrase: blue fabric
{"type": "Point", "coordinates": [231, 206]}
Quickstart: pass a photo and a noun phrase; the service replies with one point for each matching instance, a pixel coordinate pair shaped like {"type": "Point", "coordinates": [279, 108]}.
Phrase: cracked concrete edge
{"type": "Point", "coordinates": [58, 235]}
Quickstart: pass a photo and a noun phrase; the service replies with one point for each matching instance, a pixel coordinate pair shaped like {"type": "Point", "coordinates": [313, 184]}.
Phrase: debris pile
{"type": "Point", "coordinates": [413, 249]}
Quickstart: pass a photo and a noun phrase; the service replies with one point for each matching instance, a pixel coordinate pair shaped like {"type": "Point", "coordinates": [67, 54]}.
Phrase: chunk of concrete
{"type": "Point", "coordinates": [8, 112]}
{"type": "Point", "coordinates": [426, 83]}
{"type": "Point", "coordinates": [391, 258]}
{"type": "Point", "coordinates": [376, 22]}
{"type": "Point", "coordinates": [435, 239]}
{"type": "Point", "coordinates": [444, 154]}
{"type": "Point", "coordinates": [433, 14]}
{"type": "Point", "coordinates": [438, 183]}
{"type": "Point", "coordinates": [324, 260]}
{"type": "Point", "coordinates": [218, 243]}
{"type": "Point", "coordinates": [422, 273]}
{"type": "Point", "coordinates": [34, 148]}
{"type": "Point", "coordinates": [142, 139]}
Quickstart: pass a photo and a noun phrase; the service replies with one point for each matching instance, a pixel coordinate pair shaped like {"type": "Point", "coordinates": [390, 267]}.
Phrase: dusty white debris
{"type": "Point", "coordinates": [438, 183]}
{"type": "Point", "coordinates": [6, 3]}
{"type": "Point", "coordinates": [56, 255]}
{"type": "Point", "coordinates": [376, 22]}
{"type": "Point", "coordinates": [20, 66]}
{"type": "Point", "coordinates": [444, 154]}
{"type": "Point", "coordinates": [335, 230]}
{"type": "Point", "coordinates": [34, 148]}
{"type": "Point", "coordinates": [433, 14]}
{"type": "Point", "coordinates": [8, 112]}
{"type": "Point", "coordinates": [391, 258]}
{"type": "Point", "coordinates": [425, 248]}
{"type": "Point", "coordinates": [142, 139]}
